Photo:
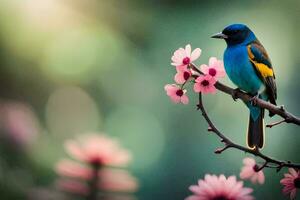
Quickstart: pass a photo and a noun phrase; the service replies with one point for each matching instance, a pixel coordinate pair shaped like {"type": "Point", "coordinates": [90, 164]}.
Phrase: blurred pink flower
{"type": "Point", "coordinates": [182, 76]}
{"type": "Point", "coordinates": [183, 57]}
{"type": "Point", "coordinates": [19, 123]}
{"type": "Point", "coordinates": [98, 149]}
{"type": "Point", "coordinates": [73, 186]}
{"type": "Point", "coordinates": [205, 84]}
{"type": "Point", "coordinates": [176, 94]}
{"type": "Point", "coordinates": [73, 169]}
{"type": "Point", "coordinates": [215, 68]}
{"type": "Point", "coordinates": [117, 180]}
{"type": "Point", "coordinates": [96, 153]}
{"type": "Point", "coordinates": [250, 171]}
{"type": "Point", "coordinates": [215, 188]}
{"type": "Point", "coordinates": [109, 179]}
{"type": "Point", "coordinates": [291, 183]}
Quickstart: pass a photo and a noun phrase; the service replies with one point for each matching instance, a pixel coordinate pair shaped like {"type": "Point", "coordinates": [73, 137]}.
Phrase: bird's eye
{"type": "Point", "coordinates": [235, 31]}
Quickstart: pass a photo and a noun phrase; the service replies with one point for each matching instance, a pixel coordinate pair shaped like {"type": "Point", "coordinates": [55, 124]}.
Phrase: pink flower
{"type": "Point", "coordinates": [205, 84]}
{"type": "Point", "coordinates": [183, 57]}
{"type": "Point", "coordinates": [182, 76]}
{"type": "Point", "coordinates": [19, 123]}
{"type": "Point", "coordinates": [69, 168]}
{"type": "Point", "coordinates": [250, 171]}
{"type": "Point", "coordinates": [98, 149]}
{"type": "Point", "coordinates": [109, 179]}
{"type": "Point", "coordinates": [215, 68]}
{"type": "Point", "coordinates": [291, 182]}
{"type": "Point", "coordinates": [73, 186]}
{"type": "Point", "coordinates": [117, 180]}
{"type": "Point", "coordinates": [95, 152]}
{"type": "Point", "coordinates": [214, 187]}
{"type": "Point", "coordinates": [176, 94]}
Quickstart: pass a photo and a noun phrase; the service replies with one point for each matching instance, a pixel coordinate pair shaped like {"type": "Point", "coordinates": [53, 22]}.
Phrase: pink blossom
{"type": "Point", "coordinates": [69, 168]}
{"type": "Point", "coordinates": [182, 76]}
{"type": "Point", "coordinates": [183, 57]}
{"type": "Point", "coordinates": [73, 186]}
{"type": "Point", "coordinates": [219, 187]}
{"type": "Point", "coordinates": [117, 180]}
{"type": "Point", "coordinates": [291, 183]}
{"type": "Point", "coordinates": [19, 123]}
{"type": "Point", "coordinates": [205, 84]}
{"type": "Point", "coordinates": [98, 149]}
{"type": "Point", "coordinates": [176, 94]}
{"type": "Point", "coordinates": [250, 171]}
{"type": "Point", "coordinates": [96, 153]}
{"type": "Point", "coordinates": [215, 68]}
{"type": "Point", "coordinates": [109, 179]}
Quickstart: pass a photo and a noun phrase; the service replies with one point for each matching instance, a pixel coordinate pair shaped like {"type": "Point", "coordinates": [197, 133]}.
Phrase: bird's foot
{"type": "Point", "coordinates": [234, 93]}
{"type": "Point", "coordinates": [253, 100]}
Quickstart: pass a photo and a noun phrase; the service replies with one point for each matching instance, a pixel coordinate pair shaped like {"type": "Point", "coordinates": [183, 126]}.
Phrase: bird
{"type": "Point", "coordinates": [249, 67]}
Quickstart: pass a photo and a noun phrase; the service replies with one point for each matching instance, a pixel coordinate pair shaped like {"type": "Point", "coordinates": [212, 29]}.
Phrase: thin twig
{"type": "Point", "coordinates": [278, 164]}
{"type": "Point", "coordinates": [275, 123]}
{"type": "Point", "coordinates": [287, 116]}
{"type": "Point", "coordinates": [262, 166]}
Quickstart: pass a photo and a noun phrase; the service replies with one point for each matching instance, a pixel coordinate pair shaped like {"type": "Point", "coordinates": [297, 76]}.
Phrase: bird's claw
{"type": "Point", "coordinates": [253, 100]}
{"type": "Point", "coordinates": [234, 94]}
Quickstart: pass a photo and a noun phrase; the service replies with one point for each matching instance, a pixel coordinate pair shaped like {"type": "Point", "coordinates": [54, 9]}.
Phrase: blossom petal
{"type": "Point", "coordinates": [175, 99]}
{"type": "Point", "coordinates": [72, 169]}
{"type": "Point", "coordinates": [246, 172]}
{"type": "Point", "coordinates": [212, 61]}
{"type": "Point", "coordinates": [261, 177]}
{"type": "Point", "coordinates": [72, 186]}
{"type": "Point", "coordinates": [197, 87]}
{"type": "Point", "coordinates": [293, 172]}
{"type": "Point", "coordinates": [184, 99]}
{"type": "Point", "coordinates": [195, 54]}
{"type": "Point", "coordinates": [204, 68]}
{"type": "Point", "coordinates": [117, 180]}
{"type": "Point", "coordinates": [74, 150]}
{"type": "Point", "coordinates": [179, 78]}
{"type": "Point", "coordinates": [188, 50]}
{"type": "Point", "coordinates": [181, 68]}
{"type": "Point", "coordinates": [249, 162]}
{"type": "Point", "coordinates": [211, 90]}
{"type": "Point", "coordinates": [212, 187]}
{"type": "Point", "coordinates": [170, 89]}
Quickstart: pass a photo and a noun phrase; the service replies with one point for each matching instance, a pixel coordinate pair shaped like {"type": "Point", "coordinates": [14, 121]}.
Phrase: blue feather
{"type": "Point", "coordinates": [237, 63]}
{"type": "Point", "coordinates": [241, 72]}
{"type": "Point", "coordinates": [249, 67]}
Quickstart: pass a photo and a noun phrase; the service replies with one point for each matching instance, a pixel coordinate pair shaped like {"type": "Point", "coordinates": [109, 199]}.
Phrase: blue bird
{"type": "Point", "coordinates": [249, 67]}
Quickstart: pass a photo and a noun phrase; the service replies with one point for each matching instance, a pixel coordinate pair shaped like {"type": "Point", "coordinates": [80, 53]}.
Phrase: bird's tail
{"type": "Point", "coordinates": [256, 129]}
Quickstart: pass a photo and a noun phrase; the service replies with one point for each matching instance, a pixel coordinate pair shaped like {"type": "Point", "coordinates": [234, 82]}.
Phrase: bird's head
{"type": "Point", "coordinates": [236, 34]}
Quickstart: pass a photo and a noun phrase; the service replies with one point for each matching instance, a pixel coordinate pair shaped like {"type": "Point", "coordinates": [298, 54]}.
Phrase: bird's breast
{"type": "Point", "coordinates": [240, 70]}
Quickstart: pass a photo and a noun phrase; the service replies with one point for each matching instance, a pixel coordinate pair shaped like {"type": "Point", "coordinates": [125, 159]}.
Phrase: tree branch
{"type": "Point", "coordinates": [287, 116]}
{"type": "Point", "coordinates": [278, 164]}
{"type": "Point", "coordinates": [275, 123]}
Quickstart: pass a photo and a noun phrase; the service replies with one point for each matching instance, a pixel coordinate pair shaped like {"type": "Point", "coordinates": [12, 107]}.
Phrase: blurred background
{"type": "Point", "coordinates": [68, 67]}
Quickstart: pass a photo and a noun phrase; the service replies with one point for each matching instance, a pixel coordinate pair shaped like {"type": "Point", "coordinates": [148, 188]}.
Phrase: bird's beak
{"type": "Point", "coordinates": [219, 36]}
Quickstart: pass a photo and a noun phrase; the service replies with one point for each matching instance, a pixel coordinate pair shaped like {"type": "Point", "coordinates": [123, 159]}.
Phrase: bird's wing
{"type": "Point", "coordinates": [262, 64]}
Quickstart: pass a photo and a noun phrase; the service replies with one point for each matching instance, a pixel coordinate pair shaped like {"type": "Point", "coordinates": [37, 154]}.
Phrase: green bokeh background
{"type": "Point", "coordinates": [100, 66]}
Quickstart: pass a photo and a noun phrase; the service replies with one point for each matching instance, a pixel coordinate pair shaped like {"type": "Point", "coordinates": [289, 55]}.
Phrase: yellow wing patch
{"type": "Point", "coordinates": [263, 69]}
